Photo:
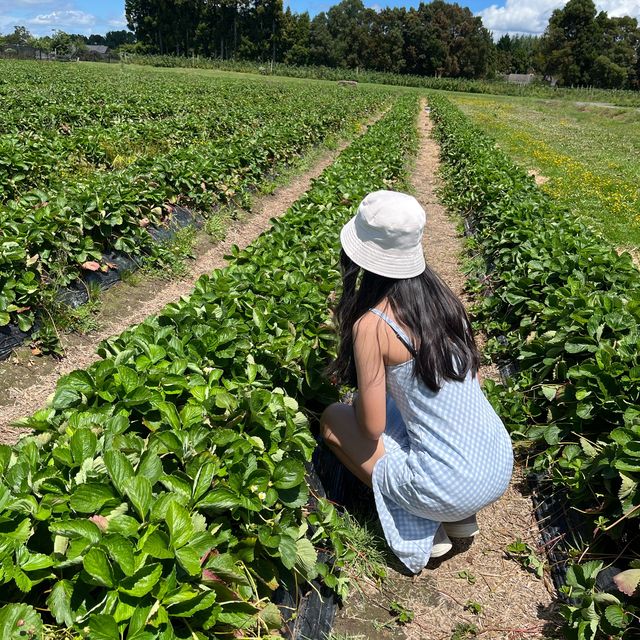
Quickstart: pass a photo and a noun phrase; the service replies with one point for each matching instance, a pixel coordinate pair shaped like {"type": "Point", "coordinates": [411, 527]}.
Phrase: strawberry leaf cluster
{"type": "Point", "coordinates": [164, 494]}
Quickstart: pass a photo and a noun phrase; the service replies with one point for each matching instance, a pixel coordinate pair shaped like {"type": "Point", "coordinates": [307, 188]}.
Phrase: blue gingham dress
{"type": "Point", "coordinates": [447, 455]}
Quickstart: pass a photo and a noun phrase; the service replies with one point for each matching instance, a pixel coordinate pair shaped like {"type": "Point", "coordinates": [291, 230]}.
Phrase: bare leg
{"type": "Point", "coordinates": [355, 450]}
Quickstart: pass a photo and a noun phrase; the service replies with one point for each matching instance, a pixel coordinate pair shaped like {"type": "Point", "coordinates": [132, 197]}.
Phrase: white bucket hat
{"type": "Point", "coordinates": [385, 235]}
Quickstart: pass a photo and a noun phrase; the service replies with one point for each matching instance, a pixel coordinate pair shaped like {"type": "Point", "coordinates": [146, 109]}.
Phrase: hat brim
{"type": "Point", "coordinates": [390, 263]}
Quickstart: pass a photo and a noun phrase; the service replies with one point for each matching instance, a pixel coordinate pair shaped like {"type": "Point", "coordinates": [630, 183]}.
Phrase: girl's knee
{"type": "Point", "coordinates": [328, 422]}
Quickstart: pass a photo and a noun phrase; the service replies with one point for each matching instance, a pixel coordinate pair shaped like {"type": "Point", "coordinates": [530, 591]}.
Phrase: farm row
{"type": "Point", "coordinates": [164, 495]}
{"type": "Point", "coordinates": [496, 87]}
{"type": "Point", "coordinates": [597, 180]}
{"type": "Point", "coordinates": [91, 159]}
{"type": "Point", "coordinates": [566, 306]}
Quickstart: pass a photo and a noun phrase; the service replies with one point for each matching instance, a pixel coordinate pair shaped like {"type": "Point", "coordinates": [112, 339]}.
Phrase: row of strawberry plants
{"type": "Point", "coordinates": [47, 234]}
{"type": "Point", "coordinates": [164, 495]}
{"type": "Point", "coordinates": [36, 96]}
{"type": "Point", "coordinates": [202, 110]}
{"type": "Point", "coordinates": [567, 307]}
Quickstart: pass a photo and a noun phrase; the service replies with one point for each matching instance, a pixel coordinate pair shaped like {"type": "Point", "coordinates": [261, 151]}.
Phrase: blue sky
{"type": "Point", "coordinates": [42, 17]}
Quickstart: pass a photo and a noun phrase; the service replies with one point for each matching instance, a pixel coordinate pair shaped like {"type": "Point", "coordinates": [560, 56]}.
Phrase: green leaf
{"type": "Point", "coordinates": [288, 474]}
{"type": "Point", "coordinates": [25, 323]}
{"type": "Point", "coordinates": [549, 391]}
{"type": "Point", "coordinates": [188, 608]}
{"type": "Point", "coordinates": [22, 580]}
{"type": "Point", "coordinates": [306, 557]}
{"type": "Point", "coordinates": [36, 562]}
{"type": "Point", "coordinates": [219, 500]}
{"type": "Point", "coordinates": [189, 560]}
{"type": "Point", "coordinates": [616, 616]}
{"type": "Point", "coordinates": [59, 602]}
{"type": "Point", "coordinates": [103, 627]}
{"type": "Point", "coordinates": [203, 480]}
{"type": "Point", "coordinates": [90, 497]}
{"type": "Point", "coordinates": [74, 529]}
{"type": "Point", "coordinates": [151, 467]}
{"type": "Point", "coordinates": [138, 490]}
{"type": "Point", "coordinates": [97, 565]}
{"type": "Point", "coordinates": [142, 581]}
{"type": "Point", "coordinates": [121, 552]}
{"type": "Point", "coordinates": [65, 399]}
{"type": "Point", "coordinates": [83, 445]}
{"type": "Point", "coordinates": [225, 566]}
{"type": "Point", "coordinates": [240, 615]}
{"type": "Point", "coordinates": [179, 525]}
{"type": "Point", "coordinates": [119, 468]}
{"type": "Point", "coordinates": [270, 616]}
{"type": "Point", "coordinates": [170, 414]}
{"type": "Point", "coordinates": [294, 498]}
{"type": "Point", "coordinates": [19, 621]}
{"type": "Point", "coordinates": [156, 545]}
{"type": "Point", "coordinates": [80, 381]}
{"type": "Point", "coordinates": [288, 551]}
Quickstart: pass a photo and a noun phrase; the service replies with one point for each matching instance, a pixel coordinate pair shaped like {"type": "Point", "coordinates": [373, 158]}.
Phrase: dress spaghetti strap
{"type": "Point", "coordinates": [402, 336]}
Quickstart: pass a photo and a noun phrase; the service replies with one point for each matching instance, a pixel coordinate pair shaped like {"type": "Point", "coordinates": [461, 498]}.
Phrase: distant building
{"type": "Point", "coordinates": [95, 52]}
{"type": "Point", "coordinates": [101, 49]}
{"type": "Point", "coordinates": [521, 78]}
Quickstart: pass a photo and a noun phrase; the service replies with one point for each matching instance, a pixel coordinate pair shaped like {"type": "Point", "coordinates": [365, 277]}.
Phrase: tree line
{"type": "Point", "coordinates": [580, 45]}
{"type": "Point", "coordinates": [66, 43]}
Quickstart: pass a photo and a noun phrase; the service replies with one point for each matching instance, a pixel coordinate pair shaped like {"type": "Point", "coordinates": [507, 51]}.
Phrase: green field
{"type": "Point", "coordinates": [163, 493]}
{"type": "Point", "coordinates": [91, 156]}
{"type": "Point", "coordinates": [590, 154]}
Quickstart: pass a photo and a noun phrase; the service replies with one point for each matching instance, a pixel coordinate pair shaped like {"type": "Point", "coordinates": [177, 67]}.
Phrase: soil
{"type": "Point", "coordinates": [514, 603]}
{"type": "Point", "coordinates": [538, 177]}
{"type": "Point", "coordinates": [27, 381]}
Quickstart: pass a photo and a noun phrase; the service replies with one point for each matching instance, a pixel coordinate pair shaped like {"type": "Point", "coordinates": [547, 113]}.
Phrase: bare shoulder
{"type": "Point", "coordinates": [369, 326]}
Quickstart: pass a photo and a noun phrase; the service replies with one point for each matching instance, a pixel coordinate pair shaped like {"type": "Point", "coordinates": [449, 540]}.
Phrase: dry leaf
{"type": "Point", "coordinates": [91, 265]}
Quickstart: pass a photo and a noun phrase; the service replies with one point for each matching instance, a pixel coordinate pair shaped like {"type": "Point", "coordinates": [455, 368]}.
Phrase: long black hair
{"type": "Point", "coordinates": [436, 319]}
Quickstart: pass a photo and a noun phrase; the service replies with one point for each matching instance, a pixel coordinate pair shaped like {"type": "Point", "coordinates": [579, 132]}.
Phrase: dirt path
{"type": "Point", "coordinates": [26, 382]}
{"type": "Point", "coordinates": [513, 603]}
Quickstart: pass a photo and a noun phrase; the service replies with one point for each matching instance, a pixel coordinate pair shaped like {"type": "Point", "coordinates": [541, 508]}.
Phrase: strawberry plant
{"type": "Point", "coordinates": [164, 493]}
{"type": "Point", "coordinates": [88, 175]}
{"type": "Point", "coordinates": [566, 307]}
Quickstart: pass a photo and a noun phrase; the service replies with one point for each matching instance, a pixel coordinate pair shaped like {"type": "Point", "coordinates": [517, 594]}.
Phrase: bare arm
{"type": "Point", "coordinates": [371, 400]}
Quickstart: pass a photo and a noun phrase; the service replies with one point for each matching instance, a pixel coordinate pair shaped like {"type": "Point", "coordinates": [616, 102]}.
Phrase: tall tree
{"type": "Point", "coordinates": [619, 47]}
{"type": "Point", "coordinates": [570, 43]}
{"type": "Point", "coordinates": [465, 47]}
{"type": "Point", "coordinates": [321, 43]}
{"type": "Point", "coordinates": [295, 38]}
{"type": "Point", "coordinates": [348, 23]}
{"type": "Point", "coordinates": [20, 36]}
{"type": "Point", "coordinates": [385, 43]}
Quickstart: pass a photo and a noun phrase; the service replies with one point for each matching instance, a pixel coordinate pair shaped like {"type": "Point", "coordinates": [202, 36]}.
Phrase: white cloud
{"type": "Point", "coordinates": [64, 18]}
{"type": "Point", "coordinates": [532, 17]}
{"type": "Point", "coordinates": [619, 8]}
{"type": "Point", "coordinates": [120, 23]}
